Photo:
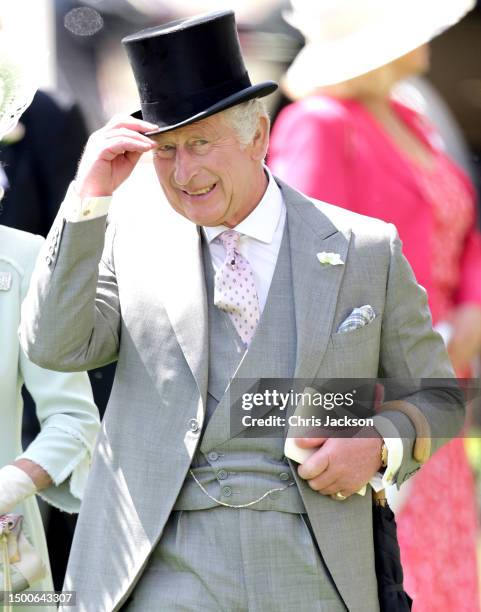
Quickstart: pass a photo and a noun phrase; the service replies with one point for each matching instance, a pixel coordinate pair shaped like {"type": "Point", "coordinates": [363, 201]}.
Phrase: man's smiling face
{"type": "Point", "coordinates": [207, 175]}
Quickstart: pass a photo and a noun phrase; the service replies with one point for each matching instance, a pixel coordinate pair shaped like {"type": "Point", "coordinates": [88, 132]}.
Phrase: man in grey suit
{"type": "Point", "coordinates": [180, 514]}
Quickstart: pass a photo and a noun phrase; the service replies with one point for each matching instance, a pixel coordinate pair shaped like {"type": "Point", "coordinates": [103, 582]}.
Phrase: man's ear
{"type": "Point", "coordinates": [260, 141]}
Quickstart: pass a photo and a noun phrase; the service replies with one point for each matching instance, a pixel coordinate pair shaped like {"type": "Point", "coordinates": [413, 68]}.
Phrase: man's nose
{"type": "Point", "coordinates": [185, 167]}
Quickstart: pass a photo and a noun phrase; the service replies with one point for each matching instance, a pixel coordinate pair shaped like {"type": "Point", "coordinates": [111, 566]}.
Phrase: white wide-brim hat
{"type": "Point", "coordinates": [347, 38]}
{"type": "Point", "coordinates": [18, 80]}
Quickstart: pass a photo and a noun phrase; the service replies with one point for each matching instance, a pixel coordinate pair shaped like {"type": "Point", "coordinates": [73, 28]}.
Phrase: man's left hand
{"type": "Point", "coordinates": [340, 465]}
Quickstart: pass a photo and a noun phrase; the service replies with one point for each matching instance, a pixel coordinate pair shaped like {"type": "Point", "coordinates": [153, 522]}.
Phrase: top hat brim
{"type": "Point", "coordinates": [254, 91]}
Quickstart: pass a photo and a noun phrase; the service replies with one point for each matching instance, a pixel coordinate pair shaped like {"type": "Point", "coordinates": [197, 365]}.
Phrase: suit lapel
{"type": "Point", "coordinates": [184, 295]}
{"type": "Point", "coordinates": [315, 285]}
{"type": "Point", "coordinates": [170, 270]}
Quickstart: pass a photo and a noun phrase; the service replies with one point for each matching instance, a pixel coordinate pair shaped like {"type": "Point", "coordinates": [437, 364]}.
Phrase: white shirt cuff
{"type": "Point", "coordinates": [394, 445]}
{"type": "Point", "coordinates": [76, 209]}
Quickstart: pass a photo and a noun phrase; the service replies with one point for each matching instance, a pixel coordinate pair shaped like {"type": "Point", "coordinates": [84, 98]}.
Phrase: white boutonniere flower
{"type": "Point", "coordinates": [330, 259]}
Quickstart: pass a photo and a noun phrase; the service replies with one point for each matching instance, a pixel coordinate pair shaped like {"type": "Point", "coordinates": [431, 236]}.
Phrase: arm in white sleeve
{"type": "Point", "coordinates": [69, 424]}
{"type": "Point", "coordinates": [77, 209]}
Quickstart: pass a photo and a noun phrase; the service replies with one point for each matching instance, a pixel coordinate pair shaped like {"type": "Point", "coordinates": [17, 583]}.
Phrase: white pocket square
{"type": "Point", "coordinates": [359, 317]}
{"type": "Point", "coordinates": [330, 259]}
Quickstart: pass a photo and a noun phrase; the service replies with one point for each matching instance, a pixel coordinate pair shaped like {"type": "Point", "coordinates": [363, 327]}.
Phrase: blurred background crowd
{"type": "Point", "coordinates": [84, 79]}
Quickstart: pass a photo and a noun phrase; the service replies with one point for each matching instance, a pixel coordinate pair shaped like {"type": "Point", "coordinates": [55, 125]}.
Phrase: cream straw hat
{"type": "Point", "coordinates": [347, 38]}
{"type": "Point", "coordinates": [18, 80]}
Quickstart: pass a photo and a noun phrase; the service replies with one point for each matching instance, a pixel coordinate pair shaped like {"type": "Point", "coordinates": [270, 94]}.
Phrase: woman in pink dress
{"type": "Point", "coordinates": [346, 141]}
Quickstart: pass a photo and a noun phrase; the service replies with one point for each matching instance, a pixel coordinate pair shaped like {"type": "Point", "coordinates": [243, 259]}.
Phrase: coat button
{"type": "Point", "coordinates": [194, 425]}
{"type": "Point", "coordinates": [226, 491]}
{"type": "Point", "coordinates": [222, 474]}
{"type": "Point", "coordinates": [284, 476]}
{"type": "Point", "coordinates": [212, 456]}
{"type": "Point", "coordinates": [48, 260]}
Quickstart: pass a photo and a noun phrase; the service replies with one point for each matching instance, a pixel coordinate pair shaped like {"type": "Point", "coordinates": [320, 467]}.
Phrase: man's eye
{"type": "Point", "coordinates": [199, 146]}
{"type": "Point", "coordinates": [164, 150]}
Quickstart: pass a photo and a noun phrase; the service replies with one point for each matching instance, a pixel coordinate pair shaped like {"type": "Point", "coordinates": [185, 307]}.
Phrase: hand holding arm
{"type": "Point", "coordinates": [40, 478]}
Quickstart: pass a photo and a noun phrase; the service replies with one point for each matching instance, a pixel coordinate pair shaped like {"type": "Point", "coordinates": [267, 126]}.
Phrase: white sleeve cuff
{"type": "Point", "coordinates": [394, 446]}
{"type": "Point", "coordinates": [77, 209]}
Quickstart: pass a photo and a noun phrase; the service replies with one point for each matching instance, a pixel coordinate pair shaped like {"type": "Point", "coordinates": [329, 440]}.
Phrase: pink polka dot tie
{"type": "Point", "coordinates": [235, 291]}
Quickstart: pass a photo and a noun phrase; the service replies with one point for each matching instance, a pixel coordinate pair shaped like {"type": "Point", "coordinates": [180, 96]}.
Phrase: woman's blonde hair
{"type": "Point", "coordinates": [376, 82]}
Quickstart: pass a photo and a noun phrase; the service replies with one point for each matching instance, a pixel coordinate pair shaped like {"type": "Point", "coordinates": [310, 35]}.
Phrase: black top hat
{"type": "Point", "coordinates": [189, 69]}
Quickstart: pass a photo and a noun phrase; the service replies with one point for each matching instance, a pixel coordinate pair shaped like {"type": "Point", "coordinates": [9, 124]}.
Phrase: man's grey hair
{"type": "Point", "coordinates": [244, 118]}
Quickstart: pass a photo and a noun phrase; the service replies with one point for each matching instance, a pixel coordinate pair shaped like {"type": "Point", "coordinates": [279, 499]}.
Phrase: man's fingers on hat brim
{"type": "Point", "coordinates": [120, 145]}
{"type": "Point", "coordinates": [131, 122]}
{"type": "Point", "coordinates": [124, 132]}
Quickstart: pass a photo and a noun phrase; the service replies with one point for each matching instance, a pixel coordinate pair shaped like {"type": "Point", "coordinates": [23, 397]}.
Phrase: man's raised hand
{"type": "Point", "coordinates": [111, 154]}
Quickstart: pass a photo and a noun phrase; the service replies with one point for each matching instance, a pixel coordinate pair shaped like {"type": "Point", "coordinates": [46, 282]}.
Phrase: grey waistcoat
{"type": "Point", "coordinates": [239, 470]}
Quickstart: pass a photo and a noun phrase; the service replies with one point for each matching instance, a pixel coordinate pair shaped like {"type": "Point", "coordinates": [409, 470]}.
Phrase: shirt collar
{"type": "Point", "coordinates": [262, 222]}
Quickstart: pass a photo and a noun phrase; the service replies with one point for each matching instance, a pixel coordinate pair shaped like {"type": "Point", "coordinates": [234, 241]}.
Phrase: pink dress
{"type": "Point", "coordinates": [336, 151]}
{"type": "Point", "coordinates": [431, 585]}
